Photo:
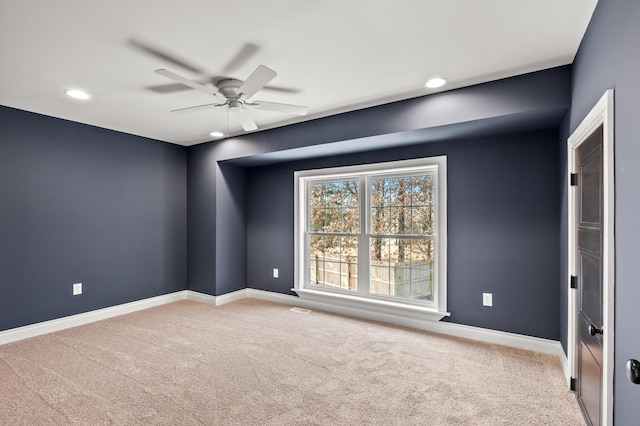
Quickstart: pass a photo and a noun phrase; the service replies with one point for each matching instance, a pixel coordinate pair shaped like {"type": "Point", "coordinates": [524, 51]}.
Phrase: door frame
{"type": "Point", "coordinates": [600, 114]}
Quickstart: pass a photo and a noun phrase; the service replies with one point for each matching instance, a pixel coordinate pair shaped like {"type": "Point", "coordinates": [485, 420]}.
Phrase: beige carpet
{"type": "Point", "coordinates": [257, 363]}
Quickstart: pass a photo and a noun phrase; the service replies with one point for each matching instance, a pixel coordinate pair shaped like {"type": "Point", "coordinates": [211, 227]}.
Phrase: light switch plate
{"type": "Point", "coordinates": [275, 272]}
{"type": "Point", "coordinates": [77, 289]}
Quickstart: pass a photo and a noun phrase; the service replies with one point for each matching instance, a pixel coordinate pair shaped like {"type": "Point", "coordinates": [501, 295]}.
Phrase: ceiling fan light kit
{"type": "Point", "coordinates": [235, 94]}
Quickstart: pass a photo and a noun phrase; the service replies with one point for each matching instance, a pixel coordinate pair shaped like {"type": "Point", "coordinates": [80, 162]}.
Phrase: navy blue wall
{"type": "Point", "coordinates": [531, 101]}
{"type": "Point", "coordinates": [216, 232]}
{"type": "Point", "coordinates": [84, 204]}
{"type": "Point", "coordinates": [503, 227]}
{"type": "Point", "coordinates": [201, 211]}
{"type": "Point", "coordinates": [609, 57]}
{"type": "Point", "coordinates": [112, 210]}
{"type": "Point", "coordinates": [231, 254]}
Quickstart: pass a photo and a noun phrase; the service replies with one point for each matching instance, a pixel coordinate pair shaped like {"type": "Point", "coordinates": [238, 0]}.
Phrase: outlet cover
{"type": "Point", "coordinates": [275, 272]}
{"type": "Point", "coordinates": [77, 289]}
{"type": "Point", "coordinates": [487, 299]}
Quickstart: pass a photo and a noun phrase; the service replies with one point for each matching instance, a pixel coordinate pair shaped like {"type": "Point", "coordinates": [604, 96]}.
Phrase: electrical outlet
{"type": "Point", "coordinates": [487, 299]}
{"type": "Point", "coordinates": [77, 289]}
{"type": "Point", "coordinates": [275, 272]}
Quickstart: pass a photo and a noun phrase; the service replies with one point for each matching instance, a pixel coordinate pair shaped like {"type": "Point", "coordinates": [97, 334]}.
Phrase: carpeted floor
{"type": "Point", "coordinates": [253, 362]}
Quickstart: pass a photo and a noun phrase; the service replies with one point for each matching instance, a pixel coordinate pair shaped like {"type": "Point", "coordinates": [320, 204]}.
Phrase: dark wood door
{"type": "Point", "coordinates": [590, 279]}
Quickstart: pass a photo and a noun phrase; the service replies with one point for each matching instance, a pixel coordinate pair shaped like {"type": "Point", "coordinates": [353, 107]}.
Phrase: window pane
{"type": "Point", "coordinates": [332, 274]}
{"type": "Point", "coordinates": [333, 207]}
{"type": "Point", "coordinates": [353, 276]}
{"type": "Point", "coordinates": [391, 185]}
{"type": "Point", "coordinates": [402, 267]}
{"type": "Point", "coordinates": [422, 250]}
{"type": "Point", "coordinates": [400, 220]}
{"type": "Point", "coordinates": [349, 276]}
{"type": "Point", "coordinates": [379, 282]}
{"type": "Point", "coordinates": [316, 219]}
{"type": "Point", "coordinates": [349, 249]}
{"type": "Point", "coordinates": [334, 261]}
{"type": "Point", "coordinates": [331, 217]}
{"type": "Point", "coordinates": [400, 251]}
{"type": "Point", "coordinates": [379, 270]}
{"type": "Point", "coordinates": [350, 194]}
{"type": "Point", "coordinates": [334, 194]}
{"type": "Point", "coordinates": [379, 251]}
{"type": "Point", "coordinates": [379, 192]}
{"type": "Point", "coordinates": [313, 272]}
{"type": "Point", "coordinates": [316, 247]}
{"type": "Point", "coordinates": [318, 278]}
{"type": "Point", "coordinates": [400, 191]}
{"type": "Point", "coordinates": [332, 248]}
{"type": "Point", "coordinates": [421, 281]}
{"type": "Point", "coordinates": [380, 220]}
{"type": "Point", "coordinates": [422, 190]}
{"type": "Point", "coordinates": [316, 260]}
{"type": "Point", "coordinates": [317, 195]}
{"type": "Point", "coordinates": [422, 220]}
{"type": "Point", "coordinates": [351, 220]}
{"type": "Point", "coordinates": [401, 280]}
{"type": "Point", "coordinates": [349, 260]}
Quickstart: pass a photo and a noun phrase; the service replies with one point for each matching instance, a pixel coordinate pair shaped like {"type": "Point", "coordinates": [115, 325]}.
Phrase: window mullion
{"type": "Point", "coordinates": [363, 240]}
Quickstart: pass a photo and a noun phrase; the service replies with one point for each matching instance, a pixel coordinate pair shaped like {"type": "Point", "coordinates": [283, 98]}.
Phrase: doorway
{"type": "Point", "coordinates": [591, 262]}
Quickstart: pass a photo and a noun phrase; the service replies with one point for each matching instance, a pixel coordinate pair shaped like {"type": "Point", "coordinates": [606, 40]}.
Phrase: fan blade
{"type": "Point", "coordinates": [190, 83]}
{"type": "Point", "coordinates": [173, 87]}
{"type": "Point", "coordinates": [278, 107]}
{"type": "Point", "coordinates": [246, 122]}
{"type": "Point", "coordinates": [246, 52]}
{"type": "Point", "coordinates": [196, 108]}
{"type": "Point", "coordinates": [168, 88]}
{"type": "Point", "coordinates": [257, 80]}
{"type": "Point", "coordinates": [164, 56]}
{"type": "Point", "coordinates": [281, 89]}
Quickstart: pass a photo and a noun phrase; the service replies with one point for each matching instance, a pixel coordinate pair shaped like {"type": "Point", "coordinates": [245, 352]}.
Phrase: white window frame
{"type": "Point", "coordinates": [374, 306]}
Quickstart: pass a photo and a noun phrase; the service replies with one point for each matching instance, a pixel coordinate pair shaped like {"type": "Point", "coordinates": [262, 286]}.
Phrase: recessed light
{"type": "Point", "coordinates": [217, 134]}
{"type": "Point", "coordinates": [435, 82]}
{"type": "Point", "coordinates": [77, 94]}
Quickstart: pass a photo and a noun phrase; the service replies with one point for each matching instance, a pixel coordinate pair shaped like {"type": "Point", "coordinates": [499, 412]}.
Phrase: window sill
{"type": "Point", "coordinates": [372, 309]}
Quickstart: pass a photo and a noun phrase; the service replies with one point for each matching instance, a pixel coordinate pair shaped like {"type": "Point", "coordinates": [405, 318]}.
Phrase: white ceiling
{"type": "Point", "coordinates": [331, 55]}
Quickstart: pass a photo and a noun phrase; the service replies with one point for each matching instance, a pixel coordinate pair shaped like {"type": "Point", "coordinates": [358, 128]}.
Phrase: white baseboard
{"type": "Point", "coordinates": [201, 297]}
{"type": "Point", "coordinates": [33, 330]}
{"type": "Point", "coordinates": [216, 300]}
{"type": "Point", "coordinates": [45, 327]}
{"type": "Point", "coordinates": [536, 344]}
{"type": "Point", "coordinates": [564, 362]}
{"type": "Point", "coordinates": [475, 333]}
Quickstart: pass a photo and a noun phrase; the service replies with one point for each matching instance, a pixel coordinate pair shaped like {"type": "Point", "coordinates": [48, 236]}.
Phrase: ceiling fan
{"type": "Point", "coordinates": [235, 94]}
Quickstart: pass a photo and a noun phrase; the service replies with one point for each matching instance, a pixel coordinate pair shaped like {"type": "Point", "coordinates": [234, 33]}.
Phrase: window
{"type": "Point", "coordinates": [374, 235]}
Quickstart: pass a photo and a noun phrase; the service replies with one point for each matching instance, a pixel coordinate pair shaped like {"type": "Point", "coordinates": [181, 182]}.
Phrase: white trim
{"type": "Point", "coordinates": [513, 340]}
{"type": "Point", "coordinates": [201, 297]}
{"type": "Point", "coordinates": [369, 306]}
{"type": "Point", "coordinates": [216, 300]}
{"type": "Point", "coordinates": [271, 296]}
{"type": "Point", "coordinates": [436, 165]}
{"type": "Point", "coordinates": [475, 333]}
{"type": "Point", "coordinates": [601, 114]}
{"type": "Point", "coordinates": [566, 368]}
{"type": "Point", "coordinates": [45, 327]}
{"type": "Point", "coordinates": [33, 330]}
